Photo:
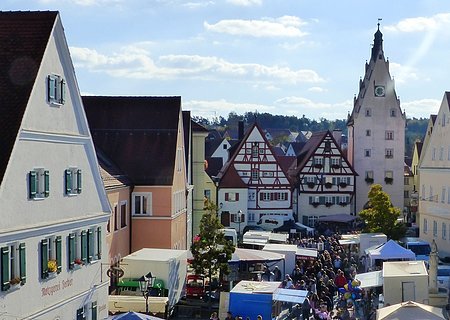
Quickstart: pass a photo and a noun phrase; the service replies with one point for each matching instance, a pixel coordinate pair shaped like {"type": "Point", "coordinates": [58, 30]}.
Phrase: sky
{"type": "Point", "coordinates": [284, 57]}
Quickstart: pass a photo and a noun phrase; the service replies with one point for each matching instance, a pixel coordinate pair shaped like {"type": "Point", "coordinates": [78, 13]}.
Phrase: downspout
{"type": "Point", "coordinates": [131, 219]}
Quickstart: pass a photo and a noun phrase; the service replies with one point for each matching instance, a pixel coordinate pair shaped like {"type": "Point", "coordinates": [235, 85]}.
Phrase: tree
{"type": "Point", "coordinates": [381, 215]}
{"type": "Point", "coordinates": [210, 250]}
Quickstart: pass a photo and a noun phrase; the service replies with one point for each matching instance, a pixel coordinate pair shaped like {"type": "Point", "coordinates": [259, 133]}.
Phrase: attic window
{"type": "Point", "coordinates": [56, 90]}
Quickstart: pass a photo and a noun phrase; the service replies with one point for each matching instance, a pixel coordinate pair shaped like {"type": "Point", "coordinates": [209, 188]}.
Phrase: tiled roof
{"type": "Point", "coordinates": [138, 133]}
{"type": "Point", "coordinates": [111, 175]}
{"type": "Point", "coordinates": [198, 127]}
{"type": "Point", "coordinates": [23, 39]}
{"type": "Point", "coordinates": [214, 166]}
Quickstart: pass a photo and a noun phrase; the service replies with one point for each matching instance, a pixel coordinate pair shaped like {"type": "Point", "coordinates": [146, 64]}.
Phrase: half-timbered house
{"type": "Point", "coordinates": [325, 180]}
{"type": "Point", "coordinates": [253, 183]}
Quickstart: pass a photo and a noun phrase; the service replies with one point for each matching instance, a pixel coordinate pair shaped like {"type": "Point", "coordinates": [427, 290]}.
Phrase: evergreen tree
{"type": "Point", "coordinates": [381, 215]}
{"type": "Point", "coordinates": [210, 250]}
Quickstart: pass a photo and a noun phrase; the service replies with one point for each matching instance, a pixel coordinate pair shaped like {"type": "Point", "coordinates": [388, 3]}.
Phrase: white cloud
{"type": "Point", "coordinates": [199, 4]}
{"type": "Point", "coordinates": [421, 24]}
{"type": "Point", "coordinates": [316, 89]}
{"type": "Point", "coordinates": [286, 26]}
{"type": "Point", "coordinates": [402, 74]}
{"type": "Point", "coordinates": [136, 62]}
{"type": "Point", "coordinates": [222, 108]}
{"type": "Point", "coordinates": [421, 108]}
{"type": "Point", "coordinates": [245, 3]}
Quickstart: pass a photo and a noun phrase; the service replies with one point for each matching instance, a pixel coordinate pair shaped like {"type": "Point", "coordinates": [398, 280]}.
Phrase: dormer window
{"type": "Point", "coordinates": [56, 89]}
{"type": "Point", "coordinates": [393, 113]}
{"type": "Point", "coordinates": [368, 112]}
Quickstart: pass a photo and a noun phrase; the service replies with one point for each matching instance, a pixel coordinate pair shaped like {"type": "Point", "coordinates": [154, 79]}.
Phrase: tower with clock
{"type": "Point", "coordinates": [376, 131]}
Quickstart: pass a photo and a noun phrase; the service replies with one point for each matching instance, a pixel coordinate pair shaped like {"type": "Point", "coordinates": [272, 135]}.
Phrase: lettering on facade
{"type": "Point", "coordinates": [50, 290]}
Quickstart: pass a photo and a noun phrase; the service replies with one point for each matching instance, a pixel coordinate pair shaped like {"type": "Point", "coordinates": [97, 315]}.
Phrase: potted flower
{"type": "Point", "coordinates": [315, 204]}
{"type": "Point", "coordinates": [343, 203]}
{"type": "Point", "coordinates": [369, 180]}
{"type": "Point", "coordinates": [342, 184]}
{"type": "Point", "coordinates": [78, 261]}
{"type": "Point", "coordinates": [328, 204]}
{"type": "Point", "coordinates": [52, 266]}
{"type": "Point", "coordinates": [328, 185]}
{"type": "Point", "coordinates": [15, 282]}
{"type": "Point", "coordinates": [335, 166]}
{"type": "Point", "coordinates": [388, 180]}
{"type": "Point", "coordinates": [311, 185]}
{"type": "Point", "coordinates": [318, 165]}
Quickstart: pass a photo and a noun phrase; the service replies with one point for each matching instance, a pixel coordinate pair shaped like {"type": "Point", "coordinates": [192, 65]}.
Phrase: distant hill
{"type": "Point", "coordinates": [415, 128]}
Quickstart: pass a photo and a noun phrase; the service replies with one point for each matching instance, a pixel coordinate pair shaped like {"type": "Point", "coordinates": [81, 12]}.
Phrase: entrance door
{"type": "Point", "coordinates": [225, 218]}
{"type": "Point", "coordinates": [408, 291]}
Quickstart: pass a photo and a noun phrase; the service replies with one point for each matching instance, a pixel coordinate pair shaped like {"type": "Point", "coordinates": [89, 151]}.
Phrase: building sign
{"type": "Point", "coordinates": [61, 285]}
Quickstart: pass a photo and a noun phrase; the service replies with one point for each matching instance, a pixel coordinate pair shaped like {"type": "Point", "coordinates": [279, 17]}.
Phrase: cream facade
{"type": "Point", "coordinates": [434, 192]}
{"type": "Point", "coordinates": [54, 208]}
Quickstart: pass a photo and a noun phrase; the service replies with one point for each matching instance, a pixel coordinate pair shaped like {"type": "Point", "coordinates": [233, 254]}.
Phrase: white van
{"type": "Point", "coordinates": [230, 234]}
{"type": "Point", "coordinates": [271, 222]}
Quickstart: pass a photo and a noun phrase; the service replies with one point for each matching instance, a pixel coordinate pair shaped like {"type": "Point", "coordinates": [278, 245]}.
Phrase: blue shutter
{"type": "Point", "coordinates": [5, 268]}
{"type": "Point", "coordinates": [99, 242]}
{"type": "Point", "coordinates": [68, 181]}
{"type": "Point", "coordinates": [22, 263]}
{"type": "Point", "coordinates": [58, 245]}
{"type": "Point", "coordinates": [62, 91]}
{"type": "Point", "coordinates": [44, 258]}
{"type": "Point", "coordinates": [72, 249]}
{"type": "Point", "coordinates": [84, 246]}
{"type": "Point", "coordinates": [51, 86]}
{"type": "Point", "coordinates": [46, 183]}
{"type": "Point", "coordinates": [79, 181]}
{"type": "Point", "coordinates": [32, 180]}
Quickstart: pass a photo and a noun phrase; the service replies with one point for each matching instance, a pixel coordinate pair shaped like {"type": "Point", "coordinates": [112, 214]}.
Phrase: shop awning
{"type": "Point", "coordinates": [370, 279]}
{"type": "Point", "coordinates": [306, 254]}
{"type": "Point", "coordinates": [341, 217]}
{"type": "Point", "coordinates": [250, 255]}
{"type": "Point", "coordinates": [290, 295]}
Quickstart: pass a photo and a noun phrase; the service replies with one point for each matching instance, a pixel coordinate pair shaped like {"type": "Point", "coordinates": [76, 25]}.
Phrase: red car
{"type": "Point", "coordinates": [195, 286]}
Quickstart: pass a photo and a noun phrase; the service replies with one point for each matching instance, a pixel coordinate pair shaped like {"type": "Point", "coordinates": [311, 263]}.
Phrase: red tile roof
{"type": "Point", "coordinates": [138, 133]}
{"type": "Point", "coordinates": [23, 39]}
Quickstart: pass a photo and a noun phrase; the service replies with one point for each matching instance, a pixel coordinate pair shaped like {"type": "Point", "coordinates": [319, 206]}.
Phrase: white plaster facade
{"type": "Point", "coordinates": [434, 190]}
{"type": "Point", "coordinates": [376, 132]}
{"type": "Point", "coordinates": [55, 138]}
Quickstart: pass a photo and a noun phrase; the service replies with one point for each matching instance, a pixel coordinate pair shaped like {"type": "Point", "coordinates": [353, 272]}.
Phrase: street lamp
{"type": "Point", "coordinates": [239, 221]}
{"type": "Point", "coordinates": [145, 285]}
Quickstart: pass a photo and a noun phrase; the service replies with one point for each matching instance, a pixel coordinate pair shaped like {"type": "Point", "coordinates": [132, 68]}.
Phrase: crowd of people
{"type": "Point", "coordinates": [325, 279]}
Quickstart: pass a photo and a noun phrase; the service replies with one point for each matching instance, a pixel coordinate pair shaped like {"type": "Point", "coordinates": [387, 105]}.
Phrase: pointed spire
{"type": "Point", "coordinates": [377, 42]}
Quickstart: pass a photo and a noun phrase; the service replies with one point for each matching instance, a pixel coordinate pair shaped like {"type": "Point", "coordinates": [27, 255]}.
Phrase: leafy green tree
{"type": "Point", "coordinates": [210, 250]}
{"type": "Point", "coordinates": [381, 215]}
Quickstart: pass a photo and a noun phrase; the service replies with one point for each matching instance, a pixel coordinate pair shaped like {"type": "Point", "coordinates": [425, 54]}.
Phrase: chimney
{"type": "Point", "coordinates": [337, 134]}
{"type": "Point", "coordinates": [240, 130]}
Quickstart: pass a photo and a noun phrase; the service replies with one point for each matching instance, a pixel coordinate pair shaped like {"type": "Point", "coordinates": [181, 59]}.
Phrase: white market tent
{"type": "Point", "coordinates": [370, 279]}
{"type": "Point", "coordinates": [250, 255]}
{"type": "Point", "coordinates": [289, 295]}
{"type": "Point", "coordinates": [410, 310]}
{"type": "Point", "coordinates": [390, 250]}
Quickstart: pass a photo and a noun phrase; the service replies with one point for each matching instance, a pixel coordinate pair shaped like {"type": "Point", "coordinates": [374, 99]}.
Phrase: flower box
{"type": "Point", "coordinates": [15, 283]}
{"type": "Point", "coordinates": [342, 184]}
{"type": "Point", "coordinates": [388, 180]}
{"type": "Point", "coordinates": [343, 204]}
{"type": "Point", "coordinates": [311, 185]}
{"type": "Point", "coordinates": [328, 204]}
{"type": "Point", "coordinates": [369, 180]}
{"type": "Point", "coordinates": [335, 166]}
{"type": "Point", "coordinates": [318, 166]}
{"type": "Point", "coordinates": [315, 204]}
{"type": "Point", "coordinates": [328, 185]}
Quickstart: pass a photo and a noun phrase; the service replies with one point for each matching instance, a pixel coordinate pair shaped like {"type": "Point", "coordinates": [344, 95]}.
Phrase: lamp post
{"type": "Point", "coordinates": [239, 222]}
{"type": "Point", "coordinates": [145, 284]}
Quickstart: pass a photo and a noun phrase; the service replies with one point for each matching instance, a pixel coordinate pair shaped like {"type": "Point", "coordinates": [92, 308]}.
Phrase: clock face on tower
{"type": "Point", "coordinates": [379, 91]}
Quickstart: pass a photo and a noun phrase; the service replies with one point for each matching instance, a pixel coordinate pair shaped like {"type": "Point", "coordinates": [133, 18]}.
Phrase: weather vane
{"type": "Point", "coordinates": [379, 19]}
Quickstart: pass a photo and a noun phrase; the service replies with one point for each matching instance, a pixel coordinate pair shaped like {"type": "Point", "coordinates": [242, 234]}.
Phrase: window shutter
{"type": "Point", "coordinates": [79, 181]}
{"type": "Point", "coordinates": [68, 181]}
{"type": "Point", "coordinates": [71, 250]}
{"type": "Point", "coordinates": [237, 196]}
{"type": "Point", "coordinates": [63, 91]}
{"type": "Point", "coordinates": [242, 217]}
{"type": "Point", "coordinates": [44, 258]}
{"type": "Point", "coordinates": [94, 311]}
{"type": "Point", "coordinates": [261, 196]}
{"type": "Point", "coordinates": [46, 183]}
{"type": "Point", "coordinates": [305, 220]}
{"type": "Point", "coordinates": [226, 196]}
{"type": "Point", "coordinates": [99, 242]}
{"type": "Point", "coordinates": [51, 88]}
{"type": "Point", "coordinates": [32, 184]}
{"type": "Point", "coordinates": [91, 245]}
{"type": "Point", "coordinates": [310, 200]}
{"type": "Point", "coordinates": [22, 263]}
{"type": "Point", "coordinates": [58, 244]}
{"type": "Point", "coordinates": [5, 268]}
{"type": "Point", "coordinates": [84, 246]}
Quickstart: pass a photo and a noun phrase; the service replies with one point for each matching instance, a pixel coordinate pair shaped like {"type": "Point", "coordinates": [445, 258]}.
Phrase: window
{"type": "Point", "coordinates": [50, 256]}
{"type": "Point", "coordinates": [231, 196]}
{"type": "Point", "coordinates": [444, 191]}
{"type": "Point", "coordinates": [207, 194]}
{"type": "Point", "coordinates": [433, 155]}
{"type": "Point", "coordinates": [255, 150]}
{"type": "Point", "coordinates": [94, 315]}
{"type": "Point", "coordinates": [425, 225]}
{"type": "Point", "coordinates": [224, 146]}
{"type": "Point", "coordinates": [444, 230]}
{"type": "Point", "coordinates": [142, 203]}
{"type": "Point", "coordinates": [123, 214]}
{"type": "Point", "coordinates": [84, 246]}
{"type": "Point", "coordinates": [327, 147]}
{"type": "Point", "coordinates": [367, 152]}
{"type": "Point", "coordinates": [423, 192]}
{"type": "Point", "coordinates": [443, 119]}
{"type": "Point", "coordinates": [368, 112]}
{"type": "Point", "coordinates": [405, 194]}
{"type": "Point", "coordinates": [368, 133]}
{"type": "Point", "coordinates": [335, 161]}
{"type": "Point", "coordinates": [389, 153]}
{"type": "Point", "coordinates": [255, 174]}
{"type": "Point", "coordinates": [180, 158]}
{"type": "Point", "coordinates": [13, 265]}
{"type": "Point", "coordinates": [116, 218]}
{"type": "Point", "coordinates": [251, 217]}
{"type": "Point", "coordinates": [39, 183]}
{"type": "Point", "coordinates": [389, 135]}
{"type": "Point", "coordinates": [441, 153]}
{"type": "Point", "coordinates": [435, 229]}
{"type": "Point", "coordinates": [406, 181]}
{"type": "Point", "coordinates": [393, 113]}
{"type": "Point", "coordinates": [56, 89]}
{"type": "Point", "coordinates": [73, 181]}
{"type": "Point", "coordinates": [81, 313]}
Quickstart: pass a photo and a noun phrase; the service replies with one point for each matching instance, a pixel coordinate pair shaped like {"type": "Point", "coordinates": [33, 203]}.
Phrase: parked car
{"type": "Point", "coordinates": [443, 277]}
{"type": "Point", "coordinates": [195, 286]}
